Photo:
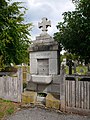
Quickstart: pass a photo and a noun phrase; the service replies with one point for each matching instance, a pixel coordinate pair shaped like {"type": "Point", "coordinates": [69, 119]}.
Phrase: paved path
{"type": "Point", "coordinates": [43, 114]}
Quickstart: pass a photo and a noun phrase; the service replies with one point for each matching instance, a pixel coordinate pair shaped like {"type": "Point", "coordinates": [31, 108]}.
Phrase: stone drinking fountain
{"type": "Point", "coordinates": [44, 63]}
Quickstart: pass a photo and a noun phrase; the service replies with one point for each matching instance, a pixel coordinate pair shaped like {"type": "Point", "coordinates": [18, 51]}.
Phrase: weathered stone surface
{"type": "Point", "coordinates": [39, 84]}
{"type": "Point", "coordinates": [42, 66]}
{"type": "Point", "coordinates": [50, 56]}
{"type": "Point", "coordinates": [56, 79]}
{"type": "Point", "coordinates": [45, 38]}
{"type": "Point", "coordinates": [55, 88]}
{"type": "Point", "coordinates": [31, 86]}
{"type": "Point", "coordinates": [53, 67]}
{"type": "Point", "coordinates": [44, 25]}
{"type": "Point", "coordinates": [40, 46]}
{"type": "Point", "coordinates": [44, 55]}
{"type": "Point", "coordinates": [52, 101]}
{"type": "Point", "coordinates": [33, 66]}
{"type": "Point", "coordinates": [45, 63]}
{"type": "Point", "coordinates": [29, 97]}
{"type": "Point", "coordinates": [44, 43]}
{"type": "Point", "coordinates": [44, 88]}
{"type": "Point", "coordinates": [41, 79]}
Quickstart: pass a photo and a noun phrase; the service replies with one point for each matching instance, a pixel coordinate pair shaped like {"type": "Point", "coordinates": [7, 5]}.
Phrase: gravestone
{"type": "Point", "coordinates": [88, 72]}
{"type": "Point", "coordinates": [70, 64]}
{"type": "Point", "coordinates": [74, 67]}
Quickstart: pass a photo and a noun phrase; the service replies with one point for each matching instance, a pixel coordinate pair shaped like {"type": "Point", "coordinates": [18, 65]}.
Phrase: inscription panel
{"type": "Point", "coordinates": [42, 66]}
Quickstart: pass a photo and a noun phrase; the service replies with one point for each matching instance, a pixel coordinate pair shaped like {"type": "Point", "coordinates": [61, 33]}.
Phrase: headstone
{"type": "Point", "coordinates": [74, 67]}
{"type": "Point", "coordinates": [89, 67]}
{"type": "Point", "coordinates": [81, 70]}
{"type": "Point", "coordinates": [70, 64]}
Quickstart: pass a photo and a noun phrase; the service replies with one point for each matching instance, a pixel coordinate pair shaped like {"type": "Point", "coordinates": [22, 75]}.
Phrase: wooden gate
{"type": "Point", "coordinates": [11, 87]}
{"type": "Point", "coordinates": [75, 94]}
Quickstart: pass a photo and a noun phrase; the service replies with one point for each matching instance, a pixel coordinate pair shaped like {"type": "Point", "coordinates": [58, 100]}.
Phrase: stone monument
{"type": "Point", "coordinates": [44, 62]}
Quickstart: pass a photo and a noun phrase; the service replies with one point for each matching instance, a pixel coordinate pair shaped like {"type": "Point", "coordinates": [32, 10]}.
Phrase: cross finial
{"type": "Point", "coordinates": [44, 24]}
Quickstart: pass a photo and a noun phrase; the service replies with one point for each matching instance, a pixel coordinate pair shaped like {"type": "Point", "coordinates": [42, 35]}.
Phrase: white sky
{"type": "Point", "coordinates": [52, 9]}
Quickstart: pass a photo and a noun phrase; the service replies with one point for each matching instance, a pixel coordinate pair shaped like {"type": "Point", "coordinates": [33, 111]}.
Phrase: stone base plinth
{"type": "Point", "coordinates": [29, 97]}
{"type": "Point", "coordinates": [52, 102]}
{"type": "Point", "coordinates": [45, 84]}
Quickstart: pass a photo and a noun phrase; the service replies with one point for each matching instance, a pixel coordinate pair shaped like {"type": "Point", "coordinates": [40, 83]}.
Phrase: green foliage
{"type": "Point", "coordinates": [71, 56]}
{"type": "Point", "coordinates": [7, 108]}
{"type": "Point", "coordinates": [78, 70]}
{"type": "Point", "coordinates": [74, 31]}
{"type": "Point", "coordinates": [6, 101]}
{"type": "Point", "coordinates": [42, 94]}
{"type": "Point", "coordinates": [14, 33]}
{"type": "Point", "coordinates": [10, 110]}
{"type": "Point", "coordinates": [24, 85]}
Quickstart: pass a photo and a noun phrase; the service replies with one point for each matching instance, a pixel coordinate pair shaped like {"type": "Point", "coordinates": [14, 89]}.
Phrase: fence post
{"type": "Point", "coordinates": [62, 91]}
{"type": "Point", "coordinates": [20, 83]}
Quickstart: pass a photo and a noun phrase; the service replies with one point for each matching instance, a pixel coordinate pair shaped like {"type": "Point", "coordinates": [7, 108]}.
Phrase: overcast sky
{"type": "Point", "coordinates": [52, 9]}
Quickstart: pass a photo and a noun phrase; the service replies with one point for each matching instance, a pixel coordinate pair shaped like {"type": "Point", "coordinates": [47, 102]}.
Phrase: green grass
{"type": "Point", "coordinates": [7, 108]}
{"type": "Point", "coordinates": [78, 70]}
{"type": "Point", "coordinates": [10, 110]}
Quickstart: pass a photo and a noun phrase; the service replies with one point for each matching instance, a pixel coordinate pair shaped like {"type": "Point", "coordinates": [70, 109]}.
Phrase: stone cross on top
{"type": "Point", "coordinates": [44, 24]}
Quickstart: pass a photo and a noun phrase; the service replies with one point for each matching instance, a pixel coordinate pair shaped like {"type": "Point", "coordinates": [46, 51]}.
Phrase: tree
{"type": "Point", "coordinates": [14, 33]}
{"type": "Point", "coordinates": [74, 31]}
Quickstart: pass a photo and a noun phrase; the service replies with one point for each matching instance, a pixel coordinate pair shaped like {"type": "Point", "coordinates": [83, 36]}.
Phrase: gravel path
{"type": "Point", "coordinates": [43, 114]}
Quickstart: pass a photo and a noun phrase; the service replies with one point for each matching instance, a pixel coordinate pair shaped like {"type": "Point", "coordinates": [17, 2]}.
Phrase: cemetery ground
{"type": "Point", "coordinates": [80, 70]}
{"type": "Point", "coordinates": [16, 111]}
{"type": "Point", "coordinates": [13, 111]}
{"type": "Point", "coordinates": [7, 108]}
{"type": "Point", "coordinates": [40, 113]}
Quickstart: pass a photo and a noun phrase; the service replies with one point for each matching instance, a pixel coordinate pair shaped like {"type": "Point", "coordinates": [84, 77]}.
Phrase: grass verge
{"type": "Point", "coordinates": [7, 108]}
